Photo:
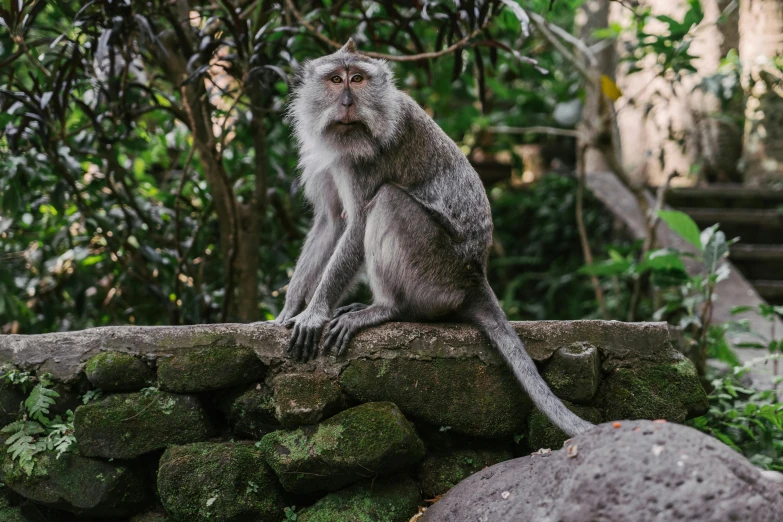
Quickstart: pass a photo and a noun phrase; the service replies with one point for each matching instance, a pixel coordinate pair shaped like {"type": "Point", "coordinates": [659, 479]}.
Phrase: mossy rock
{"type": "Point", "coordinates": [465, 395]}
{"type": "Point", "coordinates": [218, 482]}
{"type": "Point", "coordinates": [126, 425]}
{"type": "Point", "coordinates": [152, 516]}
{"type": "Point", "coordinates": [574, 372]}
{"type": "Point", "coordinates": [81, 485]}
{"type": "Point", "coordinates": [663, 391]}
{"type": "Point", "coordinates": [8, 513]}
{"type": "Point", "coordinates": [250, 411]}
{"type": "Point", "coordinates": [541, 433]}
{"type": "Point", "coordinates": [370, 439]}
{"type": "Point", "coordinates": [385, 500]}
{"type": "Point", "coordinates": [118, 372]}
{"type": "Point", "coordinates": [443, 470]}
{"type": "Point", "coordinates": [305, 398]}
{"type": "Point", "coordinates": [208, 369]}
{"type": "Point", "coordinates": [11, 398]}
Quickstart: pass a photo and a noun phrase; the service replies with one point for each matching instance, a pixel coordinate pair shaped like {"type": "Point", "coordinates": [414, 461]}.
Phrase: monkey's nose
{"type": "Point", "coordinates": [347, 100]}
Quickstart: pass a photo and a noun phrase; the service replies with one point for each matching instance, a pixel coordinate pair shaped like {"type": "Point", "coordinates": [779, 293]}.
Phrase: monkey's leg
{"type": "Point", "coordinates": [345, 327]}
{"type": "Point", "coordinates": [321, 241]}
{"type": "Point", "coordinates": [355, 307]}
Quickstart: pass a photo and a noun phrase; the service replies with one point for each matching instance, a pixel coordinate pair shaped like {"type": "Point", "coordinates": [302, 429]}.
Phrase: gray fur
{"type": "Point", "coordinates": [416, 215]}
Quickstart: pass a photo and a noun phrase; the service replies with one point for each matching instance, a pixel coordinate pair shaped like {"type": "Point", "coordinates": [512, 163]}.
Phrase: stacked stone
{"type": "Point", "coordinates": [216, 434]}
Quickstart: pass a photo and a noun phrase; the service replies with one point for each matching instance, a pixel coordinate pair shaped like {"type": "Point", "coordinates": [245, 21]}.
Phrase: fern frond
{"type": "Point", "coordinates": [39, 401]}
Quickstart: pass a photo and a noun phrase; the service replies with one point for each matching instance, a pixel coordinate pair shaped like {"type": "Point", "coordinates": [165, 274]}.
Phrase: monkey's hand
{"type": "Point", "coordinates": [307, 333]}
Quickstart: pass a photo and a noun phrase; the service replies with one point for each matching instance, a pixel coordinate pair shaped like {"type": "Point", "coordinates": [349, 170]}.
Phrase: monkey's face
{"type": "Point", "coordinates": [346, 101]}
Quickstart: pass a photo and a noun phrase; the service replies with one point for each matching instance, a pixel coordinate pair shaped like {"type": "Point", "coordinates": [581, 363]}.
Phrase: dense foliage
{"type": "Point", "coordinates": [147, 173]}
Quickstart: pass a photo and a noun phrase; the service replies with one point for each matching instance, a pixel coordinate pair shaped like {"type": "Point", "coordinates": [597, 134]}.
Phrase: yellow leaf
{"type": "Point", "coordinates": [610, 89]}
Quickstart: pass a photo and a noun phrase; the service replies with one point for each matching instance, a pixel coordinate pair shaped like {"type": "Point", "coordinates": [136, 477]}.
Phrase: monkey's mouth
{"type": "Point", "coordinates": [349, 123]}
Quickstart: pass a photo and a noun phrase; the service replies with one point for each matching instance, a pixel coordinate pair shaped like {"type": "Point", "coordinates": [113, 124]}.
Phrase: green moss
{"type": "Point", "coordinates": [543, 434]}
{"type": "Point", "coordinates": [218, 482]}
{"type": "Point", "coordinates": [207, 369]}
{"type": "Point", "coordinates": [664, 391]}
{"type": "Point", "coordinates": [117, 371]}
{"type": "Point", "coordinates": [371, 438]}
{"type": "Point", "coordinates": [81, 485]}
{"type": "Point", "coordinates": [384, 500]}
{"type": "Point", "coordinates": [127, 425]}
{"type": "Point", "coordinates": [305, 398]}
{"type": "Point", "coordinates": [573, 372]}
{"type": "Point", "coordinates": [469, 396]}
{"type": "Point", "coordinates": [442, 471]}
{"type": "Point", "coordinates": [250, 411]}
{"type": "Point", "coordinates": [11, 514]}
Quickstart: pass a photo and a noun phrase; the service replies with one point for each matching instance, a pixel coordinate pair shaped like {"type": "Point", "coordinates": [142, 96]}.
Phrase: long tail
{"type": "Point", "coordinates": [489, 317]}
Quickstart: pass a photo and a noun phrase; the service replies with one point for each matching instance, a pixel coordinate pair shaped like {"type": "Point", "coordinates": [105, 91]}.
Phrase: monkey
{"type": "Point", "coordinates": [392, 193]}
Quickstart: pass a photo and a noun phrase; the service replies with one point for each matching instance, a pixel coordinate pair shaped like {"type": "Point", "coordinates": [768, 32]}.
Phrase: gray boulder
{"type": "Point", "coordinates": [632, 470]}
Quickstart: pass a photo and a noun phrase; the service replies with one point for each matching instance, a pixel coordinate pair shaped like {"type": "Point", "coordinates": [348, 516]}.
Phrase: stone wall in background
{"type": "Point", "coordinates": [213, 423]}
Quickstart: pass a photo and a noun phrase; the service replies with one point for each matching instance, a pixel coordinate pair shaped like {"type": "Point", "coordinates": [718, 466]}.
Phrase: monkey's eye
{"type": "Point", "coordinates": [357, 78]}
{"type": "Point", "coordinates": [336, 79]}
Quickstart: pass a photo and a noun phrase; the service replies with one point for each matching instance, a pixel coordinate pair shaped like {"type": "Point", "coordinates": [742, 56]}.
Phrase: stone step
{"type": "Point", "coordinates": [752, 226]}
{"type": "Point", "coordinates": [758, 261]}
{"type": "Point", "coordinates": [771, 291]}
{"type": "Point", "coordinates": [725, 196]}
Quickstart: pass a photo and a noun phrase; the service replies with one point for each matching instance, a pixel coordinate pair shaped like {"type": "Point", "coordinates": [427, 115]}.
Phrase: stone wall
{"type": "Point", "coordinates": [214, 423]}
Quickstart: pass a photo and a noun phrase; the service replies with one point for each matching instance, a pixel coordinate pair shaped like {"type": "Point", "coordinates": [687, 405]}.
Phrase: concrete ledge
{"type": "Point", "coordinates": [64, 354]}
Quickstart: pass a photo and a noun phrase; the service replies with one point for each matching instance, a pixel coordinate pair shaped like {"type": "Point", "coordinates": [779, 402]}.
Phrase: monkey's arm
{"type": "Point", "coordinates": [318, 248]}
{"type": "Point", "coordinates": [343, 265]}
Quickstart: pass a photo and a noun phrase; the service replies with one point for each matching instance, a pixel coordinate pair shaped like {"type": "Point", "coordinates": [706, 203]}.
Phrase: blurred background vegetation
{"type": "Point", "coordinates": [148, 175]}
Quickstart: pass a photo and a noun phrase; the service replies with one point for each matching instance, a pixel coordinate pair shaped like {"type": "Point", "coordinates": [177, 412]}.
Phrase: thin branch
{"type": "Point", "coordinates": [554, 131]}
{"type": "Point", "coordinates": [544, 27]}
{"type": "Point", "coordinates": [177, 230]}
{"type": "Point", "coordinates": [568, 37]}
{"type": "Point", "coordinates": [649, 243]}
{"type": "Point", "coordinates": [580, 222]}
{"type": "Point", "coordinates": [464, 42]}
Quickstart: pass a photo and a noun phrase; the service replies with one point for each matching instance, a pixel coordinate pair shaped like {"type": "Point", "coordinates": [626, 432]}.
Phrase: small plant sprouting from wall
{"type": "Point", "coordinates": [35, 432]}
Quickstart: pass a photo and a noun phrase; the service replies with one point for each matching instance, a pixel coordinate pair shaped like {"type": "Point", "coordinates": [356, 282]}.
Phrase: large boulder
{"type": "Point", "coordinates": [208, 369]}
{"type": "Point", "coordinates": [118, 371]}
{"type": "Point", "coordinates": [385, 500]}
{"type": "Point", "coordinates": [126, 425]}
{"type": "Point", "coordinates": [88, 487]}
{"type": "Point", "coordinates": [630, 470]}
{"type": "Point", "coordinates": [465, 395]}
{"type": "Point", "coordinates": [371, 439]}
{"type": "Point", "coordinates": [218, 482]}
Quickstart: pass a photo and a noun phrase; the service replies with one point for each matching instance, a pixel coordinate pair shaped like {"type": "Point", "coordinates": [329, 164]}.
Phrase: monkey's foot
{"type": "Point", "coordinates": [344, 327]}
{"type": "Point", "coordinates": [350, 308]}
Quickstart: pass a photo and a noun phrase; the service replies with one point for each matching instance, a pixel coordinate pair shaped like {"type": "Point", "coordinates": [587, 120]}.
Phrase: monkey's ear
{"type": "Point", "coordinates": [349, 47]}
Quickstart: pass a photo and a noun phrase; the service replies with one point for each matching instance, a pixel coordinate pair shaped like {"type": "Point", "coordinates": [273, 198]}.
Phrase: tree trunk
{"type": "Point", "coordinates": [252, 220]}
{"type": "Point", "coordinates": [593, 15]}
{"type": "Point", "coordinates": [199, 119]}
{"type": "Point", "coordinates": [761, 41]}
{"type": "Point", "coordinates": [717, 123]}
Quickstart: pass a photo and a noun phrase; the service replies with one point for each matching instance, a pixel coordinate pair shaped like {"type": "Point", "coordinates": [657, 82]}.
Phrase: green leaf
{"type": "Point", "coordinates": [682, 224]}
{"type": "Point", "coordinates": [606, 268]}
